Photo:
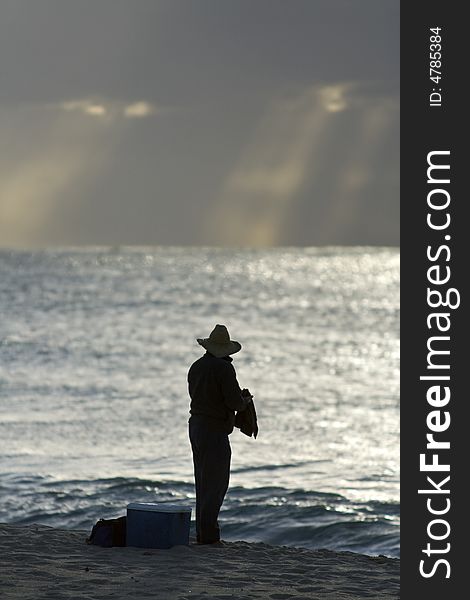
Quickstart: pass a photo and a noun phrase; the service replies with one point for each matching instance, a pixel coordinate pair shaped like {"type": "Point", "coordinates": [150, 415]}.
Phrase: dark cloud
{"type": "Point", "coordinates": [129, 121]}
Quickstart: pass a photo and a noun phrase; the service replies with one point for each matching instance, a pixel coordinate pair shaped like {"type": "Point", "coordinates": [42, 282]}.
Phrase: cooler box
{"type": "Point", "coordinates": [157, 525]}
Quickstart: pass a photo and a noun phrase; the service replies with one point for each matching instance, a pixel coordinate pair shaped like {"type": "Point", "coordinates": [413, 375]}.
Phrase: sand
{"type": "Point", "coordinates": [38, 562]}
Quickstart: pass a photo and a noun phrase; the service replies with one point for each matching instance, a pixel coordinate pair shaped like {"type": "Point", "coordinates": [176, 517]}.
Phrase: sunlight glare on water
{"type": "Point", "coordinates": [96, 345]}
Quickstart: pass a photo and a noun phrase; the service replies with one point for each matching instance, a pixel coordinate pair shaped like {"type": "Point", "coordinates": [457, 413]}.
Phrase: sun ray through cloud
{"type": "Point", "coordinates": [287, 148]}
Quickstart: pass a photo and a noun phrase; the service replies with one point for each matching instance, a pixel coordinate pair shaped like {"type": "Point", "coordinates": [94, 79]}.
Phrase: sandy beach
{"type": "Point", "coordinates": [39, 562]}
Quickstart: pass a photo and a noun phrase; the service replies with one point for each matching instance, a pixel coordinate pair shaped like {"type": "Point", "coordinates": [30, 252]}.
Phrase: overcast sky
{"type": "Point", "coordinates": [232, 122]}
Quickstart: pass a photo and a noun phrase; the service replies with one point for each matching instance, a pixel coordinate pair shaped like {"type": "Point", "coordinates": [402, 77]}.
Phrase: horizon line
{"type": "Point", "coordinates": [117, 247]}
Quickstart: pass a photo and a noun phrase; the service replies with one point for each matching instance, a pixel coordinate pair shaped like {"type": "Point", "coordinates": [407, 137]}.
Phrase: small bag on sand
{"type": "Point", "coordinates": [108, 533]}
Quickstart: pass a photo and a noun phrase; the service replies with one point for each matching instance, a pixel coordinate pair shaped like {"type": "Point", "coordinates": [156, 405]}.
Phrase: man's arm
{"type": "Point", "coordinates": [232, 394]}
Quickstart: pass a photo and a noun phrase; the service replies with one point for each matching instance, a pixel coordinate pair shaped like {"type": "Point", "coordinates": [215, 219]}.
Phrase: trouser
{"type": "Point", "coordinates": [211, 458]}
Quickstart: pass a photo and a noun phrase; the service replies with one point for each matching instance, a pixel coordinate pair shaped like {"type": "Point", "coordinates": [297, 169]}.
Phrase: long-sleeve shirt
{"type": "Point", "coordinates": [214, 391]}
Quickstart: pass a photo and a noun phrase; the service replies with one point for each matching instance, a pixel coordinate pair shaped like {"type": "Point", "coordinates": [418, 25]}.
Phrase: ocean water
{"type": "Point", "coordinates": [95, 345]}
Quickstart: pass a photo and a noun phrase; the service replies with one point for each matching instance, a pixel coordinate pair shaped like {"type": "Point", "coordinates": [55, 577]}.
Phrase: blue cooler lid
{"type": "Point", "coordinates": [161, 507]}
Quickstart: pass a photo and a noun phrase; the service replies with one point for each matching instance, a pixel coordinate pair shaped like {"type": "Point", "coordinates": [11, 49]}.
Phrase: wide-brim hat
{"type": "Point", "coordinates": [219, 343]}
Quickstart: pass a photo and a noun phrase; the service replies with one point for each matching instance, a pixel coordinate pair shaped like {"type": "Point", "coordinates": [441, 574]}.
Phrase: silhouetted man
{"type": "Point", "coordinates": [215, 396]}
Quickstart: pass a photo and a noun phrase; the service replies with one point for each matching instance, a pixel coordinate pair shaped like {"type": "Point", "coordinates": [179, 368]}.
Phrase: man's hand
{"type": "Point", "coordinates": [247, 395]}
